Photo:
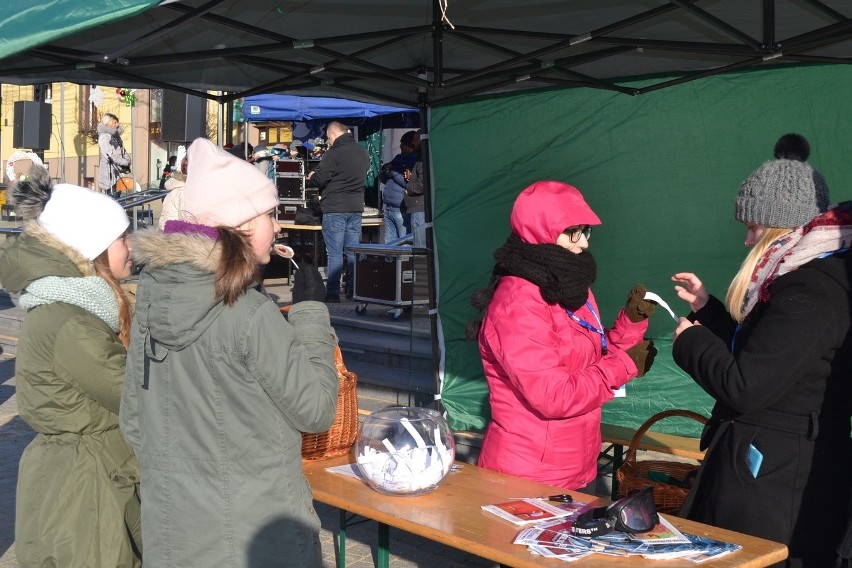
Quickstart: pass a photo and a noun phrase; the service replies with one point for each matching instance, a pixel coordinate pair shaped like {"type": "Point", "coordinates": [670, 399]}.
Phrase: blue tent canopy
{"type": "Point", "coordinates": [305, 109]}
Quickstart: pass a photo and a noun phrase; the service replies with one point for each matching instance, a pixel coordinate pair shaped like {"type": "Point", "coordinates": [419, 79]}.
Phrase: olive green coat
{"type": "Point", "coordinates": [77, 498]}
{"type": "Point", "coordinates": [215, 400]}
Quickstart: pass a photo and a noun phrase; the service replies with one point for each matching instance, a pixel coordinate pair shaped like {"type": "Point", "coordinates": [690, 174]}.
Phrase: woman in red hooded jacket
{"type": "Point", "coordinates": [549, 362]}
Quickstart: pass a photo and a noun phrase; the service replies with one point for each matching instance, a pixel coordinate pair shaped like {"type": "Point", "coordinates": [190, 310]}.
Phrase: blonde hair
{"type": "Point", "coordinates": [101, 264]}
{"type": "Point", "coordinates": [739, 285]}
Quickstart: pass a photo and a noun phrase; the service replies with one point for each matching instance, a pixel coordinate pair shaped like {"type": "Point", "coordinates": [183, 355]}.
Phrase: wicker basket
{"type": "Point", "coordinates": [634, 474]}
{"type": "Point", "coordinates": [337, 440]}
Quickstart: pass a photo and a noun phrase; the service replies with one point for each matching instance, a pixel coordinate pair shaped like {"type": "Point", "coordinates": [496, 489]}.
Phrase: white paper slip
{"type": "Point", "coordinates": [655, 298]}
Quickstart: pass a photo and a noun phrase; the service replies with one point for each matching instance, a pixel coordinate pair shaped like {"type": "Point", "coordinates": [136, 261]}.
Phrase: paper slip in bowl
{"type": "Point", "coordinates": [655, 298]}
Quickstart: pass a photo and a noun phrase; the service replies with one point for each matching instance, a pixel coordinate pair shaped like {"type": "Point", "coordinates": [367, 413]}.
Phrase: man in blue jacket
{"type": "Point", "coordinates": [393, 175]}
{"type": "Point", "coordinates": [340, 177]}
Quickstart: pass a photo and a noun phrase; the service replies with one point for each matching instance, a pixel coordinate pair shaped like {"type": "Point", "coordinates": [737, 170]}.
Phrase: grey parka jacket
{"type": "Point", "coordinates": [214, 404]}
{"type": "Point", "coordinates": [112, 149]}
{"type": "Point", "coordinates": [77, 499]}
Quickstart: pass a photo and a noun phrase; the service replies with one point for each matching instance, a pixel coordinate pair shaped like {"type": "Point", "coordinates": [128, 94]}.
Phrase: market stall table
{"type": "Point", "coordinates": [308, 238]}
{"type": "Point", "coordinates": [452, 515]}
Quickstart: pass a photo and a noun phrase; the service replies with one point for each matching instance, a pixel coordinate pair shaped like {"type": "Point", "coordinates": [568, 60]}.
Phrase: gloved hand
{"type": "Point", "coordinates": [642, 354]}
{"type": "Point", "coordinates": [637, 307]}
{"type": "Point", "coordinates": [307, 284]}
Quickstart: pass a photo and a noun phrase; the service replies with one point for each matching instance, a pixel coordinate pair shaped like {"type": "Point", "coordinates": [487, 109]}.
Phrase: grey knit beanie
{"type": "Point", "coordinates": [786, 192]}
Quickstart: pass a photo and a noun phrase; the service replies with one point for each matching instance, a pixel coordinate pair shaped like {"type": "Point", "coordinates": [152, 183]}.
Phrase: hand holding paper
{"type": "Point", "coordinates": [638, 308]}
{"type": "Point", "coordinates": [655, 298]}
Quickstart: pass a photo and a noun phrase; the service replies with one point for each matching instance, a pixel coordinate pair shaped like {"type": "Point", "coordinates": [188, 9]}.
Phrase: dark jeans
{"type": "Point", "coordinates": [340, 230]}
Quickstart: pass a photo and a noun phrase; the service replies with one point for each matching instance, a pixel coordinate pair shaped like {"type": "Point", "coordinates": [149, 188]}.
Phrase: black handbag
{"type": "Point", "coordinates": [307, 216]}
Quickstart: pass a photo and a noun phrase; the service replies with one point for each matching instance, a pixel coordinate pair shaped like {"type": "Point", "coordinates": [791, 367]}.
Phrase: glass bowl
{"type": "Point", "coordinates": [403, 450]}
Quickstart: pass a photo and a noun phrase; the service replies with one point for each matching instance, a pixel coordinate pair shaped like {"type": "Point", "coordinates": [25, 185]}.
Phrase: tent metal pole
{"type": "Point", "coordinates": [718, 23]}
{"type": "Point", "coordinates": [163, 30]}
{"type": "Point", "coordinates": [561, 40]}
{"type": "Point", "coordinates": [769, 24]}
{"type": "Point", "coordinates": [220, 124]}
{"type": "Point", "coordinates": [62, 132]}
{"type": "Point", "coordinates": [430, 249]}
{"type": "Point", "coordinates": [435, 332]}
{"type": "Point", "coordinates": [826, 10]}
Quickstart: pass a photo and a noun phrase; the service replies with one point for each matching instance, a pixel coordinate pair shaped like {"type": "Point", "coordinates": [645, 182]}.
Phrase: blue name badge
{"type": "Point", "coordinates": [753, 460]}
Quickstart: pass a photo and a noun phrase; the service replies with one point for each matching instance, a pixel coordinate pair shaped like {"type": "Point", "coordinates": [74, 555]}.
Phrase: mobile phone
{"type": "Point", "coordinates": [753, 460]}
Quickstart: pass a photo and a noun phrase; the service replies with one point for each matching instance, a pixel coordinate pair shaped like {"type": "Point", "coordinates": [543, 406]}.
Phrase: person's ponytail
{"type": "Point", "coordinates": [238, 267]}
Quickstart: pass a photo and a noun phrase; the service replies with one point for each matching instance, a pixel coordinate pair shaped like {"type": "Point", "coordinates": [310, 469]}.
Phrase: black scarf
{"type": "Point", "coordinates": [562, 276]}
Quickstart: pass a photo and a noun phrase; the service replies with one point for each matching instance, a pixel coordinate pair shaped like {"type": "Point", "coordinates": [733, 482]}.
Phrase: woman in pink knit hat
{"type": "Point", "coordinates": [219, 386]}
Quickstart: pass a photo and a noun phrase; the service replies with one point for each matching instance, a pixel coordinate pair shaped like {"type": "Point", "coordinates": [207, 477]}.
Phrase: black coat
{"type": "Point", "coordinates": [413, 200]}
{"type": "Point", "coordinates": [340, 176]}
{"type": "Point", "coordinates": [787, 390]}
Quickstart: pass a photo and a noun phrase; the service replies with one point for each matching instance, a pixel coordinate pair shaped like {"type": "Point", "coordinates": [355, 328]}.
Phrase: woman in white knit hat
{"type": "Point", "coordinates": [77, 496]}
{"type": "Point", "coordinates": [778, 363]}
{"type": "Point", "coordinates": [219, 385]}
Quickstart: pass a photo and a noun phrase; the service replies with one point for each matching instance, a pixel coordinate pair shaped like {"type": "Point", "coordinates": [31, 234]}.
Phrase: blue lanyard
{"type": "Point", "coordinates": [599, 330]}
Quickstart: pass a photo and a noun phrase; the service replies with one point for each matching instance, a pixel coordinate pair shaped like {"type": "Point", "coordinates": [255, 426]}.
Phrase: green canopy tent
{"type": "Point", "coordinates": [649, 106]}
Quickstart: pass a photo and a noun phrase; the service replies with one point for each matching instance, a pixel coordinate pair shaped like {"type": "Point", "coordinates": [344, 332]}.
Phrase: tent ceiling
{"type": "Point", "coordinates": [392, 51]}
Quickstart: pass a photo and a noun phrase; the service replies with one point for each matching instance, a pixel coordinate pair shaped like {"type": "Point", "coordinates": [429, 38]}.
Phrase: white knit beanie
{"type": "Point", "coordinates": [223, 191]}
{"type": "Point", "coordinates": [83, 219]}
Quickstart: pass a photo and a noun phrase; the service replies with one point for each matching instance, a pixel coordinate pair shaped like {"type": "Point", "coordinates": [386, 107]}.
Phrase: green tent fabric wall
{"type": "Point", "coordinates": [24, 25]}
{"type": "Point", "coordinates": [661, 170]}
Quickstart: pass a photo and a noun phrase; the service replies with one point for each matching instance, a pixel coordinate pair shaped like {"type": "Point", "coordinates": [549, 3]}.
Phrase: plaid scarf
{"type": "Point", "coordinates": [826, 234]}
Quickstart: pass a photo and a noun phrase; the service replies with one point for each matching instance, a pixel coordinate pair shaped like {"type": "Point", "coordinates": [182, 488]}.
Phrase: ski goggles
{"type": "Point", "coordinates": [635, 513]}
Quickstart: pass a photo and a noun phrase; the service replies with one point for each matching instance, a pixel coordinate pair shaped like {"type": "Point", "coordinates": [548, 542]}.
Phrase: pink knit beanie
{"type": "Point", "coordinates": [221, 190]}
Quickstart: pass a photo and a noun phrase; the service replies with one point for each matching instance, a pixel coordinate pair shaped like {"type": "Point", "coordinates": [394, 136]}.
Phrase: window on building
{"type": "Point", "coordinates": [273, 133]}
{"type": "Point", "coordinates": [88, 114]}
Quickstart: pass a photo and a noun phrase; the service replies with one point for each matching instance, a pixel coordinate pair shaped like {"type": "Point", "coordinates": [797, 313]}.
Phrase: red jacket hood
{"type": "Point", "coordinates": [546, 208]}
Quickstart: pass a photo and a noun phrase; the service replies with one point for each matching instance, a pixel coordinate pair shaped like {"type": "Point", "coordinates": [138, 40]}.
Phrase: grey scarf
{"type": "Point", "coordinates": [92, 293]}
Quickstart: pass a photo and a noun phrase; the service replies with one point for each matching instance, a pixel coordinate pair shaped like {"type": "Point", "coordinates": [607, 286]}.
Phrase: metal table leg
{"type": "Point", "coordinates": [617, 459]}
{"type": "Point", "coordinates": [383, 558]}
{"type": "Point", "coordinates": [341, 540]}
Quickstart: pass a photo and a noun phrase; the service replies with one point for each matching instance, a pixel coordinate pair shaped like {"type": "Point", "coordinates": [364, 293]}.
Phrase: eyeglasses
{"type": "Point", "coordinates": [575, 232]}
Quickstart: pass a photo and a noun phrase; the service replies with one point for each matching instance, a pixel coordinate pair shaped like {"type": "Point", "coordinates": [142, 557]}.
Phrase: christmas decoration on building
{"type": "Point", "coordinates": [127, 96]}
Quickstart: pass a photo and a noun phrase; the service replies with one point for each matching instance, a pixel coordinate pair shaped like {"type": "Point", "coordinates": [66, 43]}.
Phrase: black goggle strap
{"type": "Point", "coordinates": [594, 522]}
{"type": "Point", "coordinates": [638, 508]}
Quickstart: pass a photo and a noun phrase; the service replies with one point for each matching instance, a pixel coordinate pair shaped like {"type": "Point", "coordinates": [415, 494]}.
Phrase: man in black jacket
{"type": "Point", "coordinates": [340, 177]}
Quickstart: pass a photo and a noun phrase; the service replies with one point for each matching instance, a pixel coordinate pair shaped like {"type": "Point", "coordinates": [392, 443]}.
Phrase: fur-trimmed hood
{"type": "Point", "coordinates": [175, 298]}
{"type": "Point", "coordinates": [156, 249]}
{"type": "Point", "coordinates": [104, 129]}
{"type": "Point", "coordinates": [35, 254]}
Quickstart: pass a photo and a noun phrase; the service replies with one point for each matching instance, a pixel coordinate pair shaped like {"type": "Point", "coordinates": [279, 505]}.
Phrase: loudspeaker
{"type": "Point", "coordinates": [290, 187]}
{"type": "Point", "coordinates": [183, 117]}
{"type": "Point", "coordinates": [31, 125]}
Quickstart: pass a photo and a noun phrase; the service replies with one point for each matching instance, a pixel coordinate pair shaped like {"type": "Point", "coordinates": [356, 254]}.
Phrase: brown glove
{"type": "Point", "coordinates": [642, 354]}
{"type": "Point", "coordinates": [637, 307]}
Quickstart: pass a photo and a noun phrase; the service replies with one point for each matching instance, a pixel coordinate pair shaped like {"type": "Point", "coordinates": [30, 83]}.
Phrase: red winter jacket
{"type": "Point", "coordinates": [546, 375]}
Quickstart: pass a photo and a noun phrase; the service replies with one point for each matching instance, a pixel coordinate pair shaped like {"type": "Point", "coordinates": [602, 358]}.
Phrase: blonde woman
{"type": "Point", "coordinates": [778, 363]}
{"type": "Point", "coordinates": [114, 158]}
